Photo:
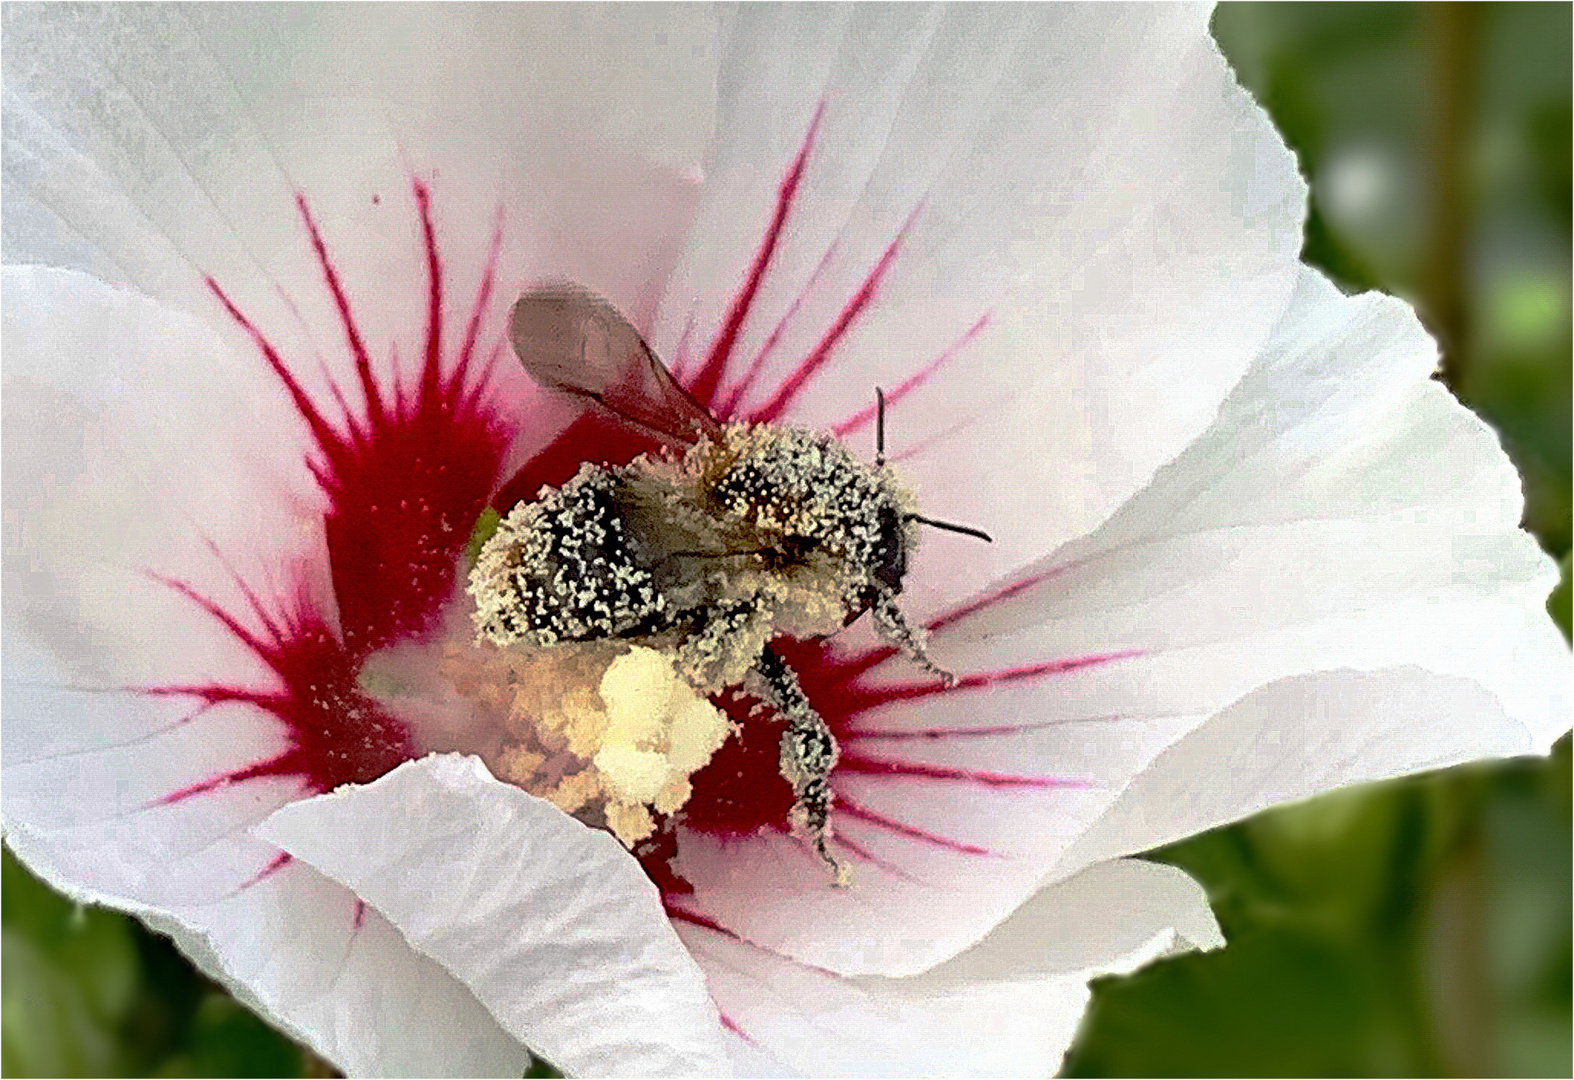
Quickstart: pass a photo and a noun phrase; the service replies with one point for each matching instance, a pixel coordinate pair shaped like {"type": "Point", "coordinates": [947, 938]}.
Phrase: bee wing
{"type": "Point", "coordinates": [573, 341]}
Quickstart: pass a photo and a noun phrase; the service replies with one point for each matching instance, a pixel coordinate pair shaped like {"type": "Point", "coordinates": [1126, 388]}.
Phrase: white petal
{"type": "Point", "coordinates": [153, 146]}
{"type": "Point", "coordinates": [1295, 738]}
{"type": "Point", "coordinates": [1090, 177]}
{"type": "Point", "coordinates": [1007, 1007]}
{"type": "Point", "coordinates": [1343, 513]}
{"type": "Point", "coordinates": [294, 946]}
{"type": "Point", "coordinates": [138, 444]}
{"type": "Point", "coordinates": [101, 488]}
{"type": "Point", "coordinates": [552, 925]}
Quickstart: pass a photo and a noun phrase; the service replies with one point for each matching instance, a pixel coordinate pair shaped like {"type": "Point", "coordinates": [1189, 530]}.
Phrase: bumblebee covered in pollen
{"type": "Point", "coordinates": [704, 552]}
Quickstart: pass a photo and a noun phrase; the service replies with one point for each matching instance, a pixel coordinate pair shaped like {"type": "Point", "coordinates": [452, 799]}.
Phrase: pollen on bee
{"type": "Point", "coordinates": [607, 731]}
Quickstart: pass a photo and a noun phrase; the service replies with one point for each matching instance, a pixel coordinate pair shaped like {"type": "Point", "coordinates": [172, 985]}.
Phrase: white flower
{"type": "Point", "coordinates": [258, 260]}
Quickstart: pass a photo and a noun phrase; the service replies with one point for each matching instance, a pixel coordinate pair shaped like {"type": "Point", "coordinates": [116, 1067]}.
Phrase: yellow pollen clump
{"type": "Point", "coordinates": [658, 731]}
{"type": "Point", "coordinates": [630, 822]}
{"type": "Point", "coordinates": [632, 775]}
{"type": "Point", "coordinates": [638, 692]}
{"type": "Point", "coordinates": [576, 792]}
{"type": "Point", "coordinates": [604, 730]}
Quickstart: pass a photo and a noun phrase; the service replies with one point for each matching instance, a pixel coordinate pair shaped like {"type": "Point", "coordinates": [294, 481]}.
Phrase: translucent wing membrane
{"type": "Point", "coordinates": [573, 341]}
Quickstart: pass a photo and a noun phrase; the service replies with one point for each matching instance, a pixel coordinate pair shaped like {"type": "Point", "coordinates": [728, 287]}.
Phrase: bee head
{"type": "Point", "coordinates": [889, 564]}
{"type": "Point", "coordinates": [890, 555]}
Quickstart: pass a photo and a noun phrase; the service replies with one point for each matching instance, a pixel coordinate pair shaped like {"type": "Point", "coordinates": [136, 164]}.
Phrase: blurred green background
{"type": "Point", "coordinates": [1419, 927]}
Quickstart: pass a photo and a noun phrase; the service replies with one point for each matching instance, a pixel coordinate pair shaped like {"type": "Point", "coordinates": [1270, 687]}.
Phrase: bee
{"type": "Point", "coordinates": [730, 536]}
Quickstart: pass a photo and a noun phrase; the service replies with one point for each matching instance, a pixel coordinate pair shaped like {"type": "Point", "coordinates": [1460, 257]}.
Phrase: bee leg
{"type": "Point", "coordinates": [808, 754]}
{"type": "Point", "coordinates": [722, 646]}
{"type": "Point", "coordinates": [888, 619]}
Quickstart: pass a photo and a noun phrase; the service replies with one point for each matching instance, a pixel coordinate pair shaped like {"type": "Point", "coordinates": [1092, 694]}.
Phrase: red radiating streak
{"type": "Point", "coordinates": [483, 294]}
{"type": "Point", "coordinates": [969, 732]}
{"type": "Point", "coordinates": [912, 382]}
{"type": "Point", "coordinates": [391, 561]}
{"type": "Point", "coordinates": [274, 766]}
{"type": "Point", "coordinates": [732, 1025]}
{"type": "Point", "coordinates": [1005, 592]}
{"type": "Point", "coordinates": [752, 374]}
{"type": "Point", "coordinates": [864, 855]}
{"type": "Point", "coordinates": [684, 915]}
{"type": "Point", "coordinates": [252, 600]}
{"type": "Point", "coordinates": [319, 427]}
{"type": "Point", "coordinates": [228, 621]}
{"type": "Point", "coordinates": [363, 363]}
{"type": "Point", "coordinates": [430, 374]}
{"type": "Point", "coordinates": [865, 698]}
{"type": "Point", "coordinates": [708, 378]}
{"type": "Point", "coordinates": [822, 352]}
{"type": "Point", "coordinates": [212, 695]}
{"type": "Point", "coordinates": [396, 380]}
{"type": "Point", "coordinates": [272, 866]}
{"type": "Point", "coordinates": [854, 666]}
{"type": "Point", "coordinates": [472, 400]}
{"type": "Point", "coordinates": [355, 435]}
{"type": "Point", "coordinates": [852, 847]}
{"type": "Point", "coordinates": [924, 445]}
{"type": "Point", "coordinates": [844, 805]}
{"type": "Point", "coordinates": [856, 763]}
{"type": "Point", "coordinates": [279, 862]}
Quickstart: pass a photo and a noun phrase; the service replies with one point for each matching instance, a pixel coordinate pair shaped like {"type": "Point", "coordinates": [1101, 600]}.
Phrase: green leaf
{"type": "Point", "coordinates": [1276, 1002]}
{"type": "Point", "coordinates": [1558, 602]}
{"type": "Point", "coordinates": [227, 1040]}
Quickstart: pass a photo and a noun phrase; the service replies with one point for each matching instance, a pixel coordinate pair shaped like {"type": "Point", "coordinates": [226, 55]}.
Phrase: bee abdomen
{"type": "Point", "coordinates": [564, 568]}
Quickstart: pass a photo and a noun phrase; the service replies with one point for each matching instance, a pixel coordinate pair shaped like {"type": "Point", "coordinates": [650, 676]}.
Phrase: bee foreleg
{"type": "Point", "coordinates": [722, 647]}
{"type": "Point", "coordinates": [808, 754]}
{"type": "Point", "coordinates": [888, 619]}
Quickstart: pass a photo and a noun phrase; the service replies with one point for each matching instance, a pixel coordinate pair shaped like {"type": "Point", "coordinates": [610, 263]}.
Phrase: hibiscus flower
{"type": "Point", "coordinates": [258, 393]}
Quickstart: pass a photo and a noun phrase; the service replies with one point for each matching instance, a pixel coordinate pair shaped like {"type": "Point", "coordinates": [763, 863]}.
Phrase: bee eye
{"type": "Point", "coordinates": [890, 554]}
{"type": "Point", "coordinates": [797, 548]}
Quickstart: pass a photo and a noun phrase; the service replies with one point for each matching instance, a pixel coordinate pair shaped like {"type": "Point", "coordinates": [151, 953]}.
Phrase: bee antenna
{"type": "Point", "coordinates": [965, 530]}
{"type": "Point", "coordinates": [879, 426]}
